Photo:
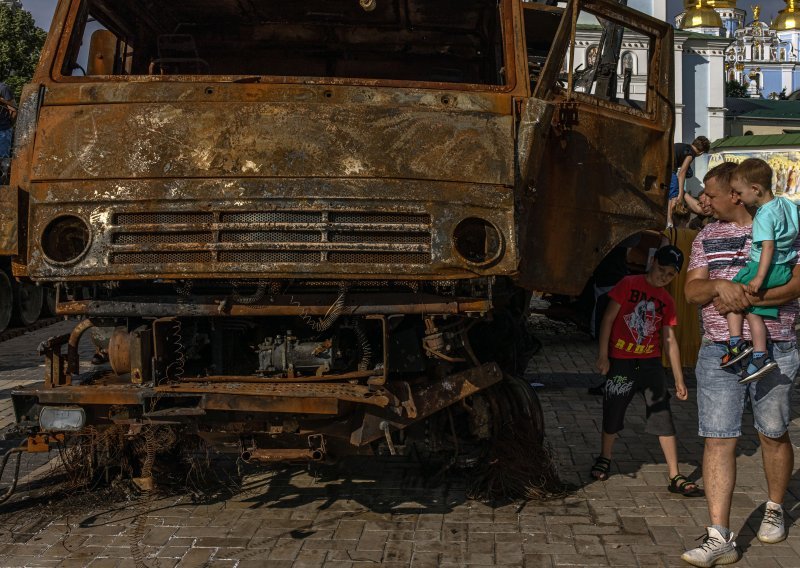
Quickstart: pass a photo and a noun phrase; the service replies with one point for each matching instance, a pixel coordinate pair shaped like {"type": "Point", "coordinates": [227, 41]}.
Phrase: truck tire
{"type": "Point", "coordinates": [6, 300]}
{"type": "Point", "coordinates": [28, 301]}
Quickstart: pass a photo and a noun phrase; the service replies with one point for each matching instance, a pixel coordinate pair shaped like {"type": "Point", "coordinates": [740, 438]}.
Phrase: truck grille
{"type": "Point", "coordinates": [264, 237]}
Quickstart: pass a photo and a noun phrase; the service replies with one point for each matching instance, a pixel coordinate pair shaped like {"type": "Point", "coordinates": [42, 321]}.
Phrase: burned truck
{"type": "Point", "coordinates": [307, 228]}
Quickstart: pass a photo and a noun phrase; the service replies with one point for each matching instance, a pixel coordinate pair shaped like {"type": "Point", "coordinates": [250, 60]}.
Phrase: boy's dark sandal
{"type": "Point", "coordinates": [679, 484]}
{"type": "Point", "coordinates": [758, 368]}
{"type": "Point", "coordinates": [601, 468]}
{"type": "Point", "coordinates": [735, 354]}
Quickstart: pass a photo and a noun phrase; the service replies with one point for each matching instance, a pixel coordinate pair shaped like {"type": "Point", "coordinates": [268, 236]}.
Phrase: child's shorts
{"type": "Point", "coordinates": [778, 275]}
{"type": "Point", "coordinates": [674, 186]}
{"type": "Point", "coordinates": [625, 378]}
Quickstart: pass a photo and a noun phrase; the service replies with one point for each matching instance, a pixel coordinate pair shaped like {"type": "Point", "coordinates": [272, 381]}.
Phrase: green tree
{"type": "Point", "coordinates": [20, 45]}
{"type": "Point", "coordinates": [735, 89]}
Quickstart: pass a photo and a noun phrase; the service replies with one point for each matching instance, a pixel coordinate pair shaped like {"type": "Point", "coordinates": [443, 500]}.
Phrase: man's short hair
{"type": "Point", "coordinates": [723, 172]}
{"type": "Point", "coordinates": [755, 171]}
{"type": "Point", "coordinates": [702, 144]}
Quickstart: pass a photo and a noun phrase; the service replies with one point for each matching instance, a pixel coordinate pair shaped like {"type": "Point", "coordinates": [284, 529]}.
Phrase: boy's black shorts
{"type": "Point", "coordinates": [625, 378]}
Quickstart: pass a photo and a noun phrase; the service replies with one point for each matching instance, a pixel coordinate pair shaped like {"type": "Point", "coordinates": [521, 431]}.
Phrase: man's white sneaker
{"type": "Point", "coordinates": [772, 529]}
{"type": "Point", "coordinates": [714, 551]}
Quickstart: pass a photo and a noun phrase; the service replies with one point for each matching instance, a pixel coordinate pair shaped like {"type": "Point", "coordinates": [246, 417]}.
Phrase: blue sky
{"type": "Point", "coordinates": [42, 10]}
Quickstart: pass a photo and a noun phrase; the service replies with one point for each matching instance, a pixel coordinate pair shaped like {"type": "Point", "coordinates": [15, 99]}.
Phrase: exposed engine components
{"type": "Point", "coordinates": [346, 348]}
{"type": "Point", "coordinates": [443, 344]}
{"type": "Point", "coordinates": [284, 353]}
{"type": "Point", "coordinates": [130, 352]}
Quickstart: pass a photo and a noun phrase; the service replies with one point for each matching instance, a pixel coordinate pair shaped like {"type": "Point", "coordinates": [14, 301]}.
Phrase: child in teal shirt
{"type": "Point", "coordinates": [775, 228]}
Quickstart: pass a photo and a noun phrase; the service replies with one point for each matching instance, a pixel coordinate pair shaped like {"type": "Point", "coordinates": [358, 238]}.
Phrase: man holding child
{"type": "Point", "coordinates": [720, 250]}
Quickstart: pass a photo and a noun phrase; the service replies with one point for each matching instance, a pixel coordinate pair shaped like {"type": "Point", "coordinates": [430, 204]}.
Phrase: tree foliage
{"type": "Point", "coordinates": [735, 89]}
{"type": "Point", "coordinates": [20, 45]}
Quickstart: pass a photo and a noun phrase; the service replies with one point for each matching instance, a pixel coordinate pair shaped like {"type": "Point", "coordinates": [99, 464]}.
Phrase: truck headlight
{"type": "Point", "coordinates": [62, 418]}
{"type": "Point", "coordinates": [477, 241]}
{"type": "Point", "coordinates": [65, 239]}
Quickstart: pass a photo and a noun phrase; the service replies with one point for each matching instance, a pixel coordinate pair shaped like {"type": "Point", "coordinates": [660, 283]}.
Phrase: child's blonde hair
{"type": "Point", "coordinates": [755, 171]}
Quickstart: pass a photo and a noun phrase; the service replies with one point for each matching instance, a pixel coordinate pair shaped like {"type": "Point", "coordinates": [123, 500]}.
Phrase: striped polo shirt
{"type": "Point", "coordinates": [724, 248]}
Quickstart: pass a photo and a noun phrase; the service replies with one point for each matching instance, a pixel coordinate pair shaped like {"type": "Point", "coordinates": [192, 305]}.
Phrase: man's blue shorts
{"type": "Point", "coordinates": [720, 398]}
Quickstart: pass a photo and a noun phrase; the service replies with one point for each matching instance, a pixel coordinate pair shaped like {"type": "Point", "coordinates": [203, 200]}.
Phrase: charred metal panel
{"type": "Point", "coordinates": [604, 194]}
{"type": "Point", "coordinates": [331, 91]}
{"type": "Point", "coordinates": [605, 169]}
{"type": "Point", "coordinates": [534, 124]}
{"type": "Point", "coordinates": [430, 399]}
{"type": "Point", "coordinates": [202, 140]}
{"type": "Point", "coordinates": [290, 227]}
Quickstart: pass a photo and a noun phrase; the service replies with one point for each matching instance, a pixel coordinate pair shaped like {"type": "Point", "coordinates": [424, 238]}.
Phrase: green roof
{"type": "Point", "coordinates": [773, 113]}
{"type": "Point", "coordinates": [760, 141]}
{"type": "Point", "coordinates": [763, 108]}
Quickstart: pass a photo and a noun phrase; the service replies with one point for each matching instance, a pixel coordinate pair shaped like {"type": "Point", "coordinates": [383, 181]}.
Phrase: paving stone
{"type": "Point", "coordinates": [538, 561]}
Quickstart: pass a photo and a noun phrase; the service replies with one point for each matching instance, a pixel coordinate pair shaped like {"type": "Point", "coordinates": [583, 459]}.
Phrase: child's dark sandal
{"type": "Point", "coordinates": [601, 468]}
{"type": "Point", "coordinates": [682, 486]}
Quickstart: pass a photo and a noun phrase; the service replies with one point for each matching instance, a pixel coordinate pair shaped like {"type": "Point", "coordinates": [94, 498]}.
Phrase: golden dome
{"type": "Point", "coordinates": [718, 4]}
{"type": "Point", "coordinates": [788, 18]}
{"type": "Point", "coordinates": [700, 15]}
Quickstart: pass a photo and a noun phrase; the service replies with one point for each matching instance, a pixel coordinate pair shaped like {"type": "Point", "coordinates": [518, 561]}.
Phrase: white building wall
{"type": "Point", "coordinates": [679, 73]}
{"type": "Point", "coordinates": [699, 93]}
{"type": "Point", "coordinates": [787, 72]}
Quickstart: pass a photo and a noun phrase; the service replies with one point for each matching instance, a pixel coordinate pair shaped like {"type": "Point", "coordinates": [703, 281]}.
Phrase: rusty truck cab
{"type": "Point", "coordinates": [291, 218]}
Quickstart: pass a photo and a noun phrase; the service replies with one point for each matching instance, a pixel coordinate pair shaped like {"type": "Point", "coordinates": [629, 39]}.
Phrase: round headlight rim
{"type": "Point", "coordinates": [79, 257]}
{"type": "Point", "coordinates": [500, 242]}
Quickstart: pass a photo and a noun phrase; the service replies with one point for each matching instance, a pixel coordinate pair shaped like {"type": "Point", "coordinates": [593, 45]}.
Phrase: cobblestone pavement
{"type": "Point", "coordinates": [382, 511]}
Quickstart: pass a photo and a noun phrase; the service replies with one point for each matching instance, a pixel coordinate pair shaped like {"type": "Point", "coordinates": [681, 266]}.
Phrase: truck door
{"type": "Point", "coordinates": [603, 171]}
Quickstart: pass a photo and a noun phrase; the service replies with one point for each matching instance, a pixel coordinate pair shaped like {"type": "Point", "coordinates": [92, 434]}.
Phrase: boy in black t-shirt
{"type": "Point", "coordinates": [684, 156]}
